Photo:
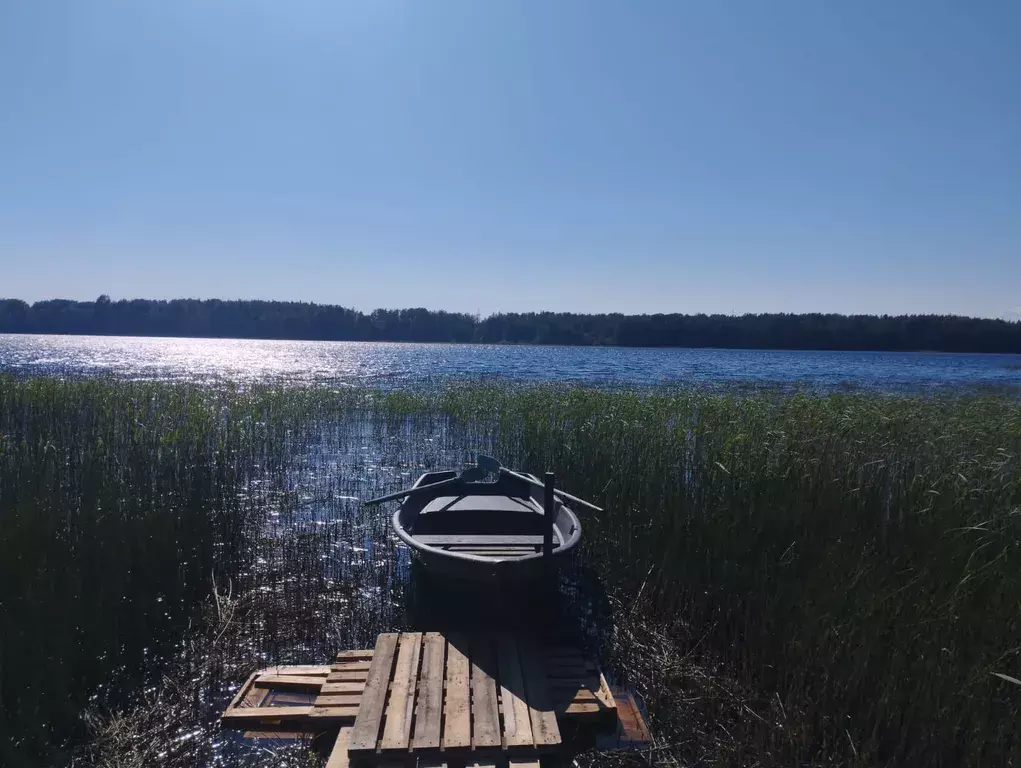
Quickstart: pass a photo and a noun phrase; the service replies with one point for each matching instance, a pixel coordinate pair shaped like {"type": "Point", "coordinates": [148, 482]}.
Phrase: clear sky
{"type": "Point", "coordinates": [490, 155]}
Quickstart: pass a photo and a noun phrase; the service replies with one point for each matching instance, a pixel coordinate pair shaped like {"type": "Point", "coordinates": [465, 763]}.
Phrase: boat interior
{"type": "Point", "coordinates": [501, 519]}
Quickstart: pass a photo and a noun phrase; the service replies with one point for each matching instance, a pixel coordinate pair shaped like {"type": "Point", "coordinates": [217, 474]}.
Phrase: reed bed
{"type": "Point", "coordinates": [850, 562]}
{"type": "Point", "coordinates": [793, 578]}
{"type": "Point", "coordinates": [121, 505]}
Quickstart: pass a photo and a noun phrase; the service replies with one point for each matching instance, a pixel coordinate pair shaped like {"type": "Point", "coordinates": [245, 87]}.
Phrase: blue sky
{"type": "Point", "coordinates": [482, 155]}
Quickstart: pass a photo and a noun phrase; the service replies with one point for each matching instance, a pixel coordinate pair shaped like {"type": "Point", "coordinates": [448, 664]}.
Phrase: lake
{"type": "Point", "coordinates": [395, 364]}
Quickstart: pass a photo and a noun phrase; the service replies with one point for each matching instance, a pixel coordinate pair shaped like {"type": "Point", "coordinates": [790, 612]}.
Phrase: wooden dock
{"type": "Point", "coordinates": [432, 699]}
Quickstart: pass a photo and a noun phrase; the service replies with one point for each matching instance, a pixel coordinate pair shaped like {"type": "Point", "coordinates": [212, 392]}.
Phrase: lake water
{"type": "Point", "coordinates": [392, 364]}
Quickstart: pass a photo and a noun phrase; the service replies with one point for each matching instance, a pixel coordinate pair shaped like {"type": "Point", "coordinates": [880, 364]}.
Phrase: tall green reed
{"type": "Point", "coordinates": [849, 561]}
{"type": "Point", "coordinates": [120, 503]}
{"type": "Point", "coordinates": [853, 556]}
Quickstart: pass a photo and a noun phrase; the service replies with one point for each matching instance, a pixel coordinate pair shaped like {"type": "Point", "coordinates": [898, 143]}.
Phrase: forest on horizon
{"type": "Point", "coordinates": [214, 318]}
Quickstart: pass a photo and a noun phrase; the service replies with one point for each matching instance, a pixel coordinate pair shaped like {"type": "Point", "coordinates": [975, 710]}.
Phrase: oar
{"type": "Point", "coordinates": [468, 476]}
{"type": "Point", "coordinates": [490, 464]}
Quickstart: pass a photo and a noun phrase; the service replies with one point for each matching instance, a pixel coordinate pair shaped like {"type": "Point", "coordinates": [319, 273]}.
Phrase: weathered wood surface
{"type": "Point", "coordinates": [516, 718]}
{"type": "Point", "coordinates": [366, 728]}
{"type": "Point", "coordinates": [540, 707]}
{"type": "Point", "coordinates": [397, 729]}
{"type": "Point", "coordinates": [457, 704]}
{"type": "Point", "coordinates": [434, 698]}
{"type": "Point", "coordinates": [429, 715]}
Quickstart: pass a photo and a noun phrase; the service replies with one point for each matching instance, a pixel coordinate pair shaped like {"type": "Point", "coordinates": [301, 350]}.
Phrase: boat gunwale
{"type": "Point", "coordinates": [408, 538]}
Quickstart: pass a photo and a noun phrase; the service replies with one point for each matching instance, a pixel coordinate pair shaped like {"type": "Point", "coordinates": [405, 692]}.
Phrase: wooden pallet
{"type": "Point", "coordinates": [432, 696]}
{"type": "Point", "coordinates": [305, 699]}
{"type": "Point", "coordinates": [431, 699]}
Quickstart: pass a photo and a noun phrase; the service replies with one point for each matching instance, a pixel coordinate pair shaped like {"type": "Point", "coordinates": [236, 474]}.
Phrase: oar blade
{"type": "Point", "coordinates": [488, 463]}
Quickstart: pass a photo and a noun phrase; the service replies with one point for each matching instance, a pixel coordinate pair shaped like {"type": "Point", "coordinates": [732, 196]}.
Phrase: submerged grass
{"type": "Point", "coordinates": [813, 578]}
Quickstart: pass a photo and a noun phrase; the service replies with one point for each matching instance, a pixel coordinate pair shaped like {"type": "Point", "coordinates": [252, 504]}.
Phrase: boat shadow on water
{"type": "Point", "coordinates": [566, 607]}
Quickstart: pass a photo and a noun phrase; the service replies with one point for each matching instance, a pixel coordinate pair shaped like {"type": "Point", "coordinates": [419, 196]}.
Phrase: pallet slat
{"type": "Point", "coordinates": [339, 755]}
{"type": "Point", "coordinates": [480, 540]}
{"type": "Point", "coordinates": [370, 713]}
{"type": "Point", "coordinates": [334, 714]}
{"type": "Point", "coordinates": [457, 726]}
{"type": "Point", "coordinates": [485, 707]}
{"type": "Point", "coordinates": [365, 654]}
{"type": "Point", "coordinates": [352, 666]}
{"type": "Point", "coordinates": [397, 728]}
{"type": "Point", "coordinates": [293, 682]}
{"type": "Point", "coordinates": [348, 677]}
{"type": "Point", "coordinates": [341, 687]}
{"type": "Point", "coordinates": [545, 731]}
{"type": "Point", "coordinates": [517, 726]}
{"type": "Point", "coordinates": [247, 714]}
{"type": "Point", "coordinates": [429, 714]}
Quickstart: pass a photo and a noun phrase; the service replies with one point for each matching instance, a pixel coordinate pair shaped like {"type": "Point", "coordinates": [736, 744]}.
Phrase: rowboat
{"type": "Point", "coordinates": [514, 528]}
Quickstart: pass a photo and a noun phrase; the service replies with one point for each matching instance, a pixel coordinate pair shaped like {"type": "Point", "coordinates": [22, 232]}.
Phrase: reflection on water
{"type": "Point", "coordinates": [306, 362]}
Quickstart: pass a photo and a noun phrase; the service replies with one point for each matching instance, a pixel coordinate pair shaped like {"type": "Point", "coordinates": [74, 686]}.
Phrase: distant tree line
{"type": "Point", "coordinates": [296, 320]}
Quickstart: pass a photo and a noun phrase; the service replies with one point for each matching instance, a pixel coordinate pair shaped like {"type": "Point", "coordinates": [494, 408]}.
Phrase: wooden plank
{"type": "Point", "coordinates": [530, 762]}
{"type": "Point", "coordinates": [255, 697]}
{"type": "Point", "coordinates": [397, 729]}
{"type": "Point", "coordinates": [485, 706]}
{"type": "Point", "coordinates": [494, 552]}
{"type": "Point", "coordinates": [275, 734]}
{"type": "Point", "coordinates": [370, 713]}
{"type": "Point", "coordinates": [339, 755]}
{"type": "Point", "coordinates": [517, 726]}
{"type": "Point", "coordinates": [429, 714]}
{"type": "Point", "coordinates": [358, 676]}
{"type": "Point", "coordinates": [242, 691]}
{"type": "Point", "coordinates": [456, 707]}
{"type": "Point", "coordinates": [292, 682]}
{"type": "Point", "coordinates": [338, 700]}
{"type": "Point", "coordinates": [296, 669]}
{"type": "Point", "coordinates": [562, 697]}
{"type": "Point", "coordinates": [354, 655]}
{"type": "Point", "coordinates": [342, 687]}
{"type": "Point", "coordinates": [604, 694]}
{"type": "Point", "coordinates": [544, 720]}
{"type": "Point", "coordinates": [631, 721]}
{"type": "Point", "coordinates": [246, 715]}
{"type": "Point", "coordinates": [479, 540]}
{"type": "Point", "coordinates": [344, 714]}
{"type": "Point", "coordinates": [576, 708]}
{"type": "Point", "coordinates": [351, 666]}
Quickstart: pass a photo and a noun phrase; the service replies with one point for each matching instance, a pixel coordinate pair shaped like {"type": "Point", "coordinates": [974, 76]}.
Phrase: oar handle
{"type": "Point", "coordinates": [411, 491]}
{"type": "Point", "coordinates": [559, 493]}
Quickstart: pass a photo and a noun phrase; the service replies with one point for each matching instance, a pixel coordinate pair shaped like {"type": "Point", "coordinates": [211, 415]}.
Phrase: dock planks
{"type": "Point", "coordinates": [496, 700]}
{"type": "Point", "coordinates": [433, 699]}
{"type": "Point", "coordinates": [429, 714]}
{"type": "Point", "coordinates": [370, 712]}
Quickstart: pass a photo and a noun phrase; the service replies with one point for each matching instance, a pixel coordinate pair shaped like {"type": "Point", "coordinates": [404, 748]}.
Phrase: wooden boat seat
{"type": "Point", "coordinates": [477, 541]}
{"type": "Point", "coordinates": [478, 504]}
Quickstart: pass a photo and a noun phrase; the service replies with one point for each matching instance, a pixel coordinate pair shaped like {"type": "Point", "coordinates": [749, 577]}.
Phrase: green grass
{"type": "Point", "coordinates": [820, 578]}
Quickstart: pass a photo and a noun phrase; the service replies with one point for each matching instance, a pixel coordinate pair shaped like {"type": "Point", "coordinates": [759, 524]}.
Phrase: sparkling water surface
{"type": "Point", "coordinates": [396, 364]}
